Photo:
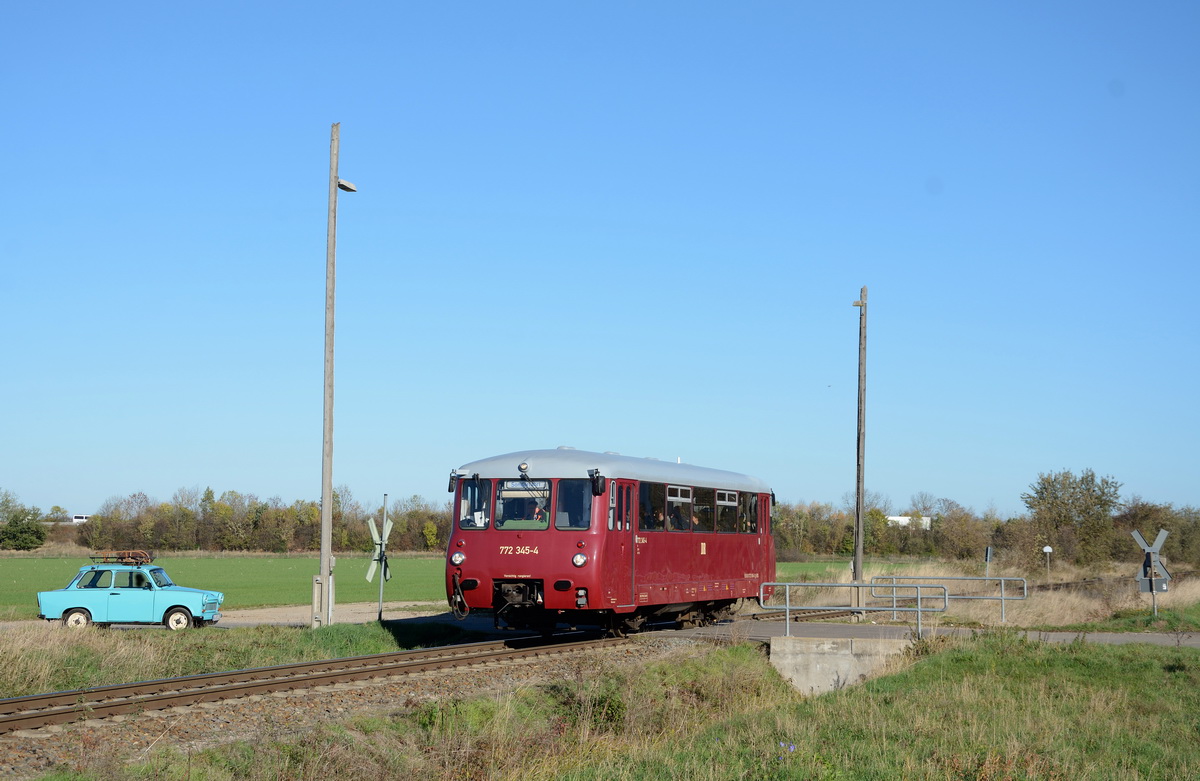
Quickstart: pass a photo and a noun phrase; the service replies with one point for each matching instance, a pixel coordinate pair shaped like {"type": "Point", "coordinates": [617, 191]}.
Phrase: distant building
{"type": "Point", "coordinates": [80, 518]}
{"type": "Point", "coordinates": [905, 520]}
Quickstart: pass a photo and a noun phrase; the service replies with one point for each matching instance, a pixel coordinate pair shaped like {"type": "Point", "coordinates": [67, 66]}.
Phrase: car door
{"type": "Point", "coordinates": [91, 593]}
{"type": "Point", "coordinates": [131, 599]}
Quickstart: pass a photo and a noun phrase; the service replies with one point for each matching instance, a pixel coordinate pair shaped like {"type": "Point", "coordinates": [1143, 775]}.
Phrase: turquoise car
{"type": "Point", "coordinates": [121, 587]}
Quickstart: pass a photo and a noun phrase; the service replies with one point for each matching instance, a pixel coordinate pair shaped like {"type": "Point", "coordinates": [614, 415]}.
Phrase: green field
{"type": "Point", "coordinates": [261, 581]}
{"type": "Point", "coordinates": [247, 581]}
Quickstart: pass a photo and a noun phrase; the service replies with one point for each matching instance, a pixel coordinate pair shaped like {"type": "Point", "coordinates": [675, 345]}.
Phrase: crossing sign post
{"type": "Point", "coordinates": [380, 561]}
{"type": "Point", "coordinates": [1153, 576]}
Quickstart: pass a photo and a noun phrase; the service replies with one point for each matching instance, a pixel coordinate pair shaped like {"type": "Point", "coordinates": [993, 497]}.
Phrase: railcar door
{"type": "Point", "coordinates": [621, 513]}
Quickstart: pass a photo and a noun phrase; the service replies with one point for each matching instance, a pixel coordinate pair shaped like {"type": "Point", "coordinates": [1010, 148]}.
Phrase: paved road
{"type": "Point", "coordinates": [764, 630]}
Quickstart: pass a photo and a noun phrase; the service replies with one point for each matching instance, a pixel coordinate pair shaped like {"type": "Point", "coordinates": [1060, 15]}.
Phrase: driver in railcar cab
{"type": "Point", "coordinates": [536, 512]}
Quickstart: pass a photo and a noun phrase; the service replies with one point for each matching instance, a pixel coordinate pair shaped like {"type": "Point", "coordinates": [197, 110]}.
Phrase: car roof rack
{"type": "Point", "coordinates": [122, 557]}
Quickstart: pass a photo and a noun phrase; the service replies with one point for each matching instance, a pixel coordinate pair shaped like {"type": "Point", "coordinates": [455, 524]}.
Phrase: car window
{"type": "Point", "coordinates": [101, 578]}
{"type": "Point", "coordinates": [160, 577]}
{"type": "Point", "coordinates": [132, 579]}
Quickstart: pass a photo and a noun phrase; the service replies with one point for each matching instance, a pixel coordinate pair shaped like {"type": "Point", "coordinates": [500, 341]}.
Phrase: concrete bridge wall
{"type": "Point", "coordinates": [819, 665]}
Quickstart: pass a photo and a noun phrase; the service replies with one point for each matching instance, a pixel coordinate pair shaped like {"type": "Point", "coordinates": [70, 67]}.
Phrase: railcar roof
{"type": "Point", "coordinates": [568, 462]}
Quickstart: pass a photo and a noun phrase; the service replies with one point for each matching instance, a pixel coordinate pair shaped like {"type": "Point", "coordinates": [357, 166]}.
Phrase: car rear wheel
{"type": "Point", "coordinates": [177, 619]}
{"type": "Point", "coordinates": [77, 618]}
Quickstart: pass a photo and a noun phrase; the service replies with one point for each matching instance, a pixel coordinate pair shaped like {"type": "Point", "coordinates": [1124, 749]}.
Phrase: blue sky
{"type": "Point", "coordinates": [635, 227]}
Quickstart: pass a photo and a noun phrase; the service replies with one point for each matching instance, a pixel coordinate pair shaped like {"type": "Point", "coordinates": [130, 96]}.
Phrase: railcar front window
{"type": "Point", "coordinates": [523, 505]}
{"type": "Point", "coordinates": [574, 508]}
{"type": "Point", "coordinates": [474, 504]}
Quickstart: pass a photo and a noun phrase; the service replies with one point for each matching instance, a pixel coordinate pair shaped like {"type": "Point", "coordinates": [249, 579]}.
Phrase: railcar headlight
{"type": "Point", "coordinates": [457, 558]}
{"type": "Point", "coordinates": [579, 559]}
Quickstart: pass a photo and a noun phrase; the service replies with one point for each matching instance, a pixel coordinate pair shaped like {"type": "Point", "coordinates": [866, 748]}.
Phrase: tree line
{"type": "Point", "coordinates": [232, 521]}
{"type": "Point", "coordinates": [1082, 517]}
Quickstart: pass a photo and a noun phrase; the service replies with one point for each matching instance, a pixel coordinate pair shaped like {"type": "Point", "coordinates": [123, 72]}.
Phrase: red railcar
{"type": "Point", "coordinates": [543, 537]}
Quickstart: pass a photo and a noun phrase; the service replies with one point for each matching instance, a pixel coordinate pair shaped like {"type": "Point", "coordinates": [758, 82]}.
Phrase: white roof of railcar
{"type": "Point", "coordinates": [568, 462]}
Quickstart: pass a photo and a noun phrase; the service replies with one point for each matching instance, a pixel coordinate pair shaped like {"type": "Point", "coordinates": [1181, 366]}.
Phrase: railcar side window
{"type": "Point", "coordinates": [473, 504]}
{"type": "Point", "coordinates": [574, 508]}
{"type": "Point", "coordinates": [652, 507]}
{"type": "Point", "coordinates": [748, 513]}
{"type": "Point", "coordinates": [727, 511]}
{"type": "Point", "coordinates": [523, 505]}
{"type": "Point", "coordinates": [679, 508]}
{"type": "Point", "coordinates": [702, 510]}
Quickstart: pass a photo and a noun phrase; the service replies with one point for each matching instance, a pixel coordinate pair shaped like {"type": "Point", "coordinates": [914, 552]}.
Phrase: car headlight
{"type": "Point", "coordinates": [457, 558]}
{"type": "Point", "coordinates": [579, 559]}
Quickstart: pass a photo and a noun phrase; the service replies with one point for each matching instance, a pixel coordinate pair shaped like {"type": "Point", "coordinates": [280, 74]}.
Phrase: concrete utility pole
{"type": "Point", "coordinates": [861, 303]}
{"type": "Point", "coordinates": [323, 582]}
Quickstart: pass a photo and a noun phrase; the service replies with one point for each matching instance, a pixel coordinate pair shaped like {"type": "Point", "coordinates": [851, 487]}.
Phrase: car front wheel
{"type": "Point", "coordinates": [177, 619]}
{"type": "Point", "coordinates": [77, 618]}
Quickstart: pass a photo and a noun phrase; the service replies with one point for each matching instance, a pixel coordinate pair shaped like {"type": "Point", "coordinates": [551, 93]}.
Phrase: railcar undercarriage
{"type": "Point", "coordinates": [521, 605]}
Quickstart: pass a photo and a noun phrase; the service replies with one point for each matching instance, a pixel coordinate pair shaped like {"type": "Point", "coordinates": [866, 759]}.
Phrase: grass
{"type": "Point", "coordinates": [42, 657]}
{"type": "Point", "coordinates": [991, 707]}
{"type": "Point", "coordinates": [247, 581]}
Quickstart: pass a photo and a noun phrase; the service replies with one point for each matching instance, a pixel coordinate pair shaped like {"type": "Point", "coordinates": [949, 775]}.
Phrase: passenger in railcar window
{"type": "Point", "coordinates": [677, 521]}
{"type": "Point", "coordinates": [652, 521]}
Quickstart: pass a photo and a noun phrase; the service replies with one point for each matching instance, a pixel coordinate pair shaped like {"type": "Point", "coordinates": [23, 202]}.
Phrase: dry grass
{"type": "Point", "coordinates": [1108, 593]}
{"type": "Point", "coordinates": [37, 654]}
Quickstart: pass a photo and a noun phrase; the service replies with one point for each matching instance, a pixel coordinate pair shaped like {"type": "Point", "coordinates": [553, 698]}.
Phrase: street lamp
{"type": "Point", "coordinates": [323, 582]}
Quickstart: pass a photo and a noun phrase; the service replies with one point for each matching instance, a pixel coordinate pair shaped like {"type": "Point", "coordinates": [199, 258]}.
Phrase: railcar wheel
{"type": "Point", "coordinates": [177, 619]}
{"type": "Point", "coordinates": [77, 618]}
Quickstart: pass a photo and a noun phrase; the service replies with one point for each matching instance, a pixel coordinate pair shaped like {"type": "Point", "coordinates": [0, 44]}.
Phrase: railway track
{"type": "Point", "coordinates": [42, 710]}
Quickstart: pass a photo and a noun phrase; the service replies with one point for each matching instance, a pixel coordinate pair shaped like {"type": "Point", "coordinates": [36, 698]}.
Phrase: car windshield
{"type": "Point", "coordinates": [160, 577]}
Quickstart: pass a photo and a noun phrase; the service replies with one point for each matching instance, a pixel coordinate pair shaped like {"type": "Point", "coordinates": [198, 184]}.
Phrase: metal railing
{"type": "Point", "coordinates": [892, 582]}
{"type": "Point", "coordinates": [922, 592]}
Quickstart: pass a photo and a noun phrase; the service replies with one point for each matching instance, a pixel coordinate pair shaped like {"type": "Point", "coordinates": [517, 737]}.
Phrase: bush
{"type": "Point", "coordinates": [22, 533]}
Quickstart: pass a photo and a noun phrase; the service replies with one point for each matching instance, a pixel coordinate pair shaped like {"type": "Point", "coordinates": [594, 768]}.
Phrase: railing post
{"type": "Point", "coordinates": [920, 631]}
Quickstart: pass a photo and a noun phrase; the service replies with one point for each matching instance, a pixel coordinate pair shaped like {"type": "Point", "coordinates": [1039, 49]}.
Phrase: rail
{"type": "Point", "coordinates": [32, 712]}
{"type": "Point", "coordinates": [892, 582]}
{"type": "Point", "coordinates": [923, 592]}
